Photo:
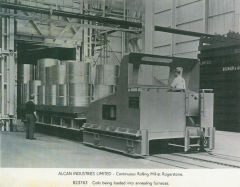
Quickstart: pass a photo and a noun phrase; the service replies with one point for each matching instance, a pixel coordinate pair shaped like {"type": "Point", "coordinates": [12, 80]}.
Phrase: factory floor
{"type": "Point", "coordinates": [53, 152]}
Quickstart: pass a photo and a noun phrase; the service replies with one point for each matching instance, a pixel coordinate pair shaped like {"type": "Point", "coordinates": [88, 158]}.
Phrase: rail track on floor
{"type": "Point", "coordinates": [204, 160]}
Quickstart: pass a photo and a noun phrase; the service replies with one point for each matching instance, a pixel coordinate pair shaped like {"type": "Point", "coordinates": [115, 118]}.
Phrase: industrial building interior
{"type": "Point", "coordinates": [100, 74]}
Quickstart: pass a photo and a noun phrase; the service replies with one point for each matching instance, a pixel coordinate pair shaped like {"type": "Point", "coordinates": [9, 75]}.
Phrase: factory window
{"type": "Point", "coordinates": [133, 102]}
{"type": "Point", "coordinates": [109, 112]}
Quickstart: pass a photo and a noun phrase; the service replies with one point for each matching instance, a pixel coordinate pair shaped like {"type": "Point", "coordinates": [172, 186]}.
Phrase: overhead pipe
{"type": "Point", "coordinates": [181, 32]}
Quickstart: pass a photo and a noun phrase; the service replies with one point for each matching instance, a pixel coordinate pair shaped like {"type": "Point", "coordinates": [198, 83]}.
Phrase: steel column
{"type": "Point", "coordinates": [8, 67]}
{"type": "Point", "coordinates": [12, 73]}
{"type": "Point", "coordinates": [3, 69]}
{"type": "Point", "coordinates": [2, 87]}
{"type": "Point", "coordinates": [148, 26]}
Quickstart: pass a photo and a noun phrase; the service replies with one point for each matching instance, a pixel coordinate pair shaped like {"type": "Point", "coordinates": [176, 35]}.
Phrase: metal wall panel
{"type": "Point", "coordinates": [191, 54]}
{"type": "Point", "coordinates": [217, 7]}
{"type": "Point", "coordinates": [187, 47]}
{"type": "Point", "coordinates": [163, 50]}
{"type": "Point", "coordinates": [186, 2]}
{"type": "Point", "coordinates": [162, 16]}
{"type": "Point", "coordinates": [222, 16]}
{"type": "Point", "coordinates": [161, 6]}
{"type": "Point", "coordinates": [221, 24]}
{"type": "Point", "coordinates": [161, 39]}
{"type": "Point", "coordinates": [189, 12]}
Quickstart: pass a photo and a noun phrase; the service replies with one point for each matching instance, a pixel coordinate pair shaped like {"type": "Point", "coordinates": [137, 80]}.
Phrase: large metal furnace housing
{"type": "Point", "coordinates": [220, 71]}
{"type": "Point", "coordinates": [136, 114]}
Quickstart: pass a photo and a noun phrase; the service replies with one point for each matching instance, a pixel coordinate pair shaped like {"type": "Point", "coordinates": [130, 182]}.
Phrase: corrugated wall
{"type": "Point", "coordinates": [162, 43]}
{"type": "Point", "coordinates": [212, 16]}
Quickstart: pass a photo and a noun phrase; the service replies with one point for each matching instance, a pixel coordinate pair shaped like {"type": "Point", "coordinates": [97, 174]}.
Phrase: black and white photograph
{"type": "Point", "coordinates": [120, 93]}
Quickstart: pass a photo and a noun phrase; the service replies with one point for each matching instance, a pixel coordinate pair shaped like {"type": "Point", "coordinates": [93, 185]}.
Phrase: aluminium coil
{"type": "Point", "coordinates": [41, 68]}
{"type": "Point", "coordinates": [27, 73]}
{"type": "Point", "coordinates": [51, 94]}
{"type": "Point", "coordinates": [58, 74]}
{"type": "Point", "coordinates": [107, 74]}
{"type": "Point", "coordinates": [41, 95]}
{"type": "Point", "coordinates": [62, 95]}
{"type": "Point", "coordinates": [25, 92]}
{"type": "Point", "coordinates": [33, 89]}
{"type": "Point", "coordinates": [78, 95]}
{"type": "Point", "coordinates": [77, 72]}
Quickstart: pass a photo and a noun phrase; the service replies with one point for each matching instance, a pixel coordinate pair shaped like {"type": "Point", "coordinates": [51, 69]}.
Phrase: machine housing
{"type": "Point", "coordinates": [129, 119]}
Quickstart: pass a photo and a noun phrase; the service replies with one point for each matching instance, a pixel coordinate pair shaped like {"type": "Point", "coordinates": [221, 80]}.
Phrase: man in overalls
{"type": "Point", "coordinates": [30, 118]}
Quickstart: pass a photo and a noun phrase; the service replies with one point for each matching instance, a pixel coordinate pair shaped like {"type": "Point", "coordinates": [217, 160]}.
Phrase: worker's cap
{"type": "Point", "coordinates": [179, 69]}
{"type": "Point", "coordinates": [31, 96]}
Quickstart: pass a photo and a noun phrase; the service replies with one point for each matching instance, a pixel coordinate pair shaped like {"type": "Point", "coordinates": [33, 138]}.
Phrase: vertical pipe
{"type": "Point", "coordinates": [2, 67]}
{"type": "Point", "coordinates": [106, 49]}
{"type": "Point", "coordinates": [1, 61]}
{"type": "Point", "coordinates": [8, 65]}
{"type": "Point", "coordinates": [12, 69]}
{"type": "Point", "coordinates": [2, 87]}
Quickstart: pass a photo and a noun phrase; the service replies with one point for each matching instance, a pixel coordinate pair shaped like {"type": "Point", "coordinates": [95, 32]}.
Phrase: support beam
{"type": "Point", "coordinates": [34, 25]}
{"type": "Point", "coordinates": [64, 31]}
{"type": "Point", "coordinates": [29, 38]}
{"type": "Point", "coordinates": [69, 21]}
{"type": "Point", "coordinates": [8, 68]}
{"type": "Point", "coordinates": [121, 23]}
{"type": "Point", "coordinates": [77, 34]}
{"type": "Point", "coordinates": [148, 26]}
{"type": "Point", "coordinates": [181, 32]}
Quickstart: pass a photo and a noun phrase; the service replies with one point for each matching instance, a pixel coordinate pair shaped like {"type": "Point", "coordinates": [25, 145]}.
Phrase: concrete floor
{"type": "Point", "coordinates": [227, 143]}
{"type": "Point", "coordinates": [53, 152]}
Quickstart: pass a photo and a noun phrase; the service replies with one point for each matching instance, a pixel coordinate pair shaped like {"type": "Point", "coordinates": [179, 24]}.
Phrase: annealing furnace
{"type": "Point", "coordinates": [140, 112]}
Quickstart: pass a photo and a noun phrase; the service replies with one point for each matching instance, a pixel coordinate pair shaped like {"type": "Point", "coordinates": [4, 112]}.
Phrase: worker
{"type": "Point", "coordinates": [178, 82]}
{"type": "Point", "coordinates": [30, 118]}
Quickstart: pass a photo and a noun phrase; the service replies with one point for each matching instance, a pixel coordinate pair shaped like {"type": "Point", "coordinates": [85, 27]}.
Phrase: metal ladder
{"type": "Point", "coordinates": [187, 141]}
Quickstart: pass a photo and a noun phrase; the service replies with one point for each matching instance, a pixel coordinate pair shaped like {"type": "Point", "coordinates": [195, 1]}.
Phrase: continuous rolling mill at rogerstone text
{"type": "Point", "coordinates": [147, 174]}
